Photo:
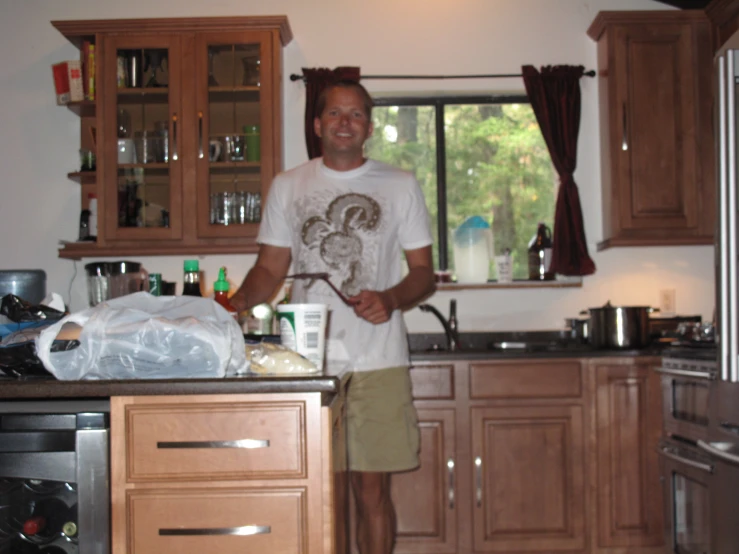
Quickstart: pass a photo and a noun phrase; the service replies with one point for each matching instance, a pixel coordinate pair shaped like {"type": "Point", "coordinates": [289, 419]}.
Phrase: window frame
{"type": "Point", "coordinates": [439, 102]}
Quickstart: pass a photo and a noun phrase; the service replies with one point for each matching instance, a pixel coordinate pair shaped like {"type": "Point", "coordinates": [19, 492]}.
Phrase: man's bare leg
{"type": "Point", "coordinates": [375, 512]}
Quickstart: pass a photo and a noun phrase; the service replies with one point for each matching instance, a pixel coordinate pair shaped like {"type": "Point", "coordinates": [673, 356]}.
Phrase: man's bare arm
{"type": "Point", "coordinates": [261, 283]}
{"type": "Point", "coordinates": [377, 306]}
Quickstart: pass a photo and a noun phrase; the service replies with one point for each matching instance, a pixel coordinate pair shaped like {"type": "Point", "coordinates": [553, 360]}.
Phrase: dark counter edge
{"type": "Point", "coordinates": [491, 355]}
{"type": "Point", "coordinates": [327, 385]}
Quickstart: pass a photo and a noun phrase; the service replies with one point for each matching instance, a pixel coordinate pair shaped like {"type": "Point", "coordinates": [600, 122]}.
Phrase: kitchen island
{"type": "Point", "coordinates": [252, 464]}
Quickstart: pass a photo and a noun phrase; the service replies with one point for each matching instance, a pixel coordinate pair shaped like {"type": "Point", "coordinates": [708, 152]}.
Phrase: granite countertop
{"type": "Point", "coordinates": [40, 388]}
{"type": "Point", "coordinates": [425, 347]}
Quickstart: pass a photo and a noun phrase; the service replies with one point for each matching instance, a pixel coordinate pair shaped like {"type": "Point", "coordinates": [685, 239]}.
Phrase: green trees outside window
{"type": "Point", "coordinates": [472, 156]}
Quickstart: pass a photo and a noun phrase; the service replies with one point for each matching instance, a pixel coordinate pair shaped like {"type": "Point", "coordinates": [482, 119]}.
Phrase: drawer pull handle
{"type": "Point", "coordinates": [242, 443]}
{"type": "Point", "coordinates": [243, 531]}
{"type": "Point", "coordinates": [478, 481]}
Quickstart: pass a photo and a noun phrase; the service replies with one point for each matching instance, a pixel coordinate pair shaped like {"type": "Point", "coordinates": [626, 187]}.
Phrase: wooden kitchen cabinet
{"type": "Point", "coordinates": [549, 455]}
{"type": "Point", "coordinates": [656, 121]}
{"type": "Point", "coordinates": [204, 123]}
{"type": "Point", "coordinates": [627, 420]}
{"type": "Point", "coordinates": [228, 473]}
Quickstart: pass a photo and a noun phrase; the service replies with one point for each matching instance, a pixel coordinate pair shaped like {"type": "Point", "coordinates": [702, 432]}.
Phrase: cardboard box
{"type": "Point", "coordinates": [68, 82]}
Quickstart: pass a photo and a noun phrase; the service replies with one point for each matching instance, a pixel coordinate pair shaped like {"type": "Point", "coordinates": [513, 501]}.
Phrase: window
{"type": "Point", "coordinates": [472, 156]}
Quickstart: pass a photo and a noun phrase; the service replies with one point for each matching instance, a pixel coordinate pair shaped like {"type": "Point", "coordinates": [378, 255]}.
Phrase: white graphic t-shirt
{"type": "Point", "coordinates": [354, 225]}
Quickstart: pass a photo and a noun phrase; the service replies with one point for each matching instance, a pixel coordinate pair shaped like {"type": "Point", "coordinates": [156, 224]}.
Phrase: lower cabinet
{"type": "Point", "coordinates": [528, 479]}
{"type": "Point", "coordinates": [627, 414]}
{"type": "Point", "coordinates": [227, 474]}
{"type": "Point", "coordinates": [547, 456]}
{"type": "Point", "coordinates": [426, 499]}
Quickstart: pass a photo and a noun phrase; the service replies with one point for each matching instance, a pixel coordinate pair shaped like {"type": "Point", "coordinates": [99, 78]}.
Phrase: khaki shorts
{"type": "Point", "coordinates": [382, 424]}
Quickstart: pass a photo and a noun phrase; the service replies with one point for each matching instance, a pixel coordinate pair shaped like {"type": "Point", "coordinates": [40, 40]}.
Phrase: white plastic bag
{"type": "Point", "coordinates": [140, 336]}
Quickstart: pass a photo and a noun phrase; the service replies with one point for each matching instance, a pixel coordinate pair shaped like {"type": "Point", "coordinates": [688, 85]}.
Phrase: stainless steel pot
{"type": "Point", "coordinates": [619, 326]}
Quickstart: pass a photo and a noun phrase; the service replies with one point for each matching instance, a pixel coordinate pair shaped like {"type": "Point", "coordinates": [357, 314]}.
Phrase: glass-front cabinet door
{"type": "Point", "coordinates": [142, 168]}
{"type": "Point", "coordinates": [234, 160]}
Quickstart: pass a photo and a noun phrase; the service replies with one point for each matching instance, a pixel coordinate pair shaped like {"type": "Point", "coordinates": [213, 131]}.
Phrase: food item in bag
{"type": "Point", "coordinates": [265, 358]}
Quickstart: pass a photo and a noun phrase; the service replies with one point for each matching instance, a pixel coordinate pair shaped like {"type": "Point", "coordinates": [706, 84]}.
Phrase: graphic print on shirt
{"type": "Point", "coordinates": [341, 238]}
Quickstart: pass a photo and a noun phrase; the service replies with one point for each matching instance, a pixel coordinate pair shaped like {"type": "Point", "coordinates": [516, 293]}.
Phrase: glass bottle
{"type": "Point", "coordinates": [220, 287]}
{"type": "Point", "coordinates": [540, 254]}
{"type": "Point", "coordinates": [191, 285]}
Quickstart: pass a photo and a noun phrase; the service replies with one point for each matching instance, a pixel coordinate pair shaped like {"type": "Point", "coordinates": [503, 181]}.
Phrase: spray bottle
{"type": "Point", "coordinates": [221, 293]}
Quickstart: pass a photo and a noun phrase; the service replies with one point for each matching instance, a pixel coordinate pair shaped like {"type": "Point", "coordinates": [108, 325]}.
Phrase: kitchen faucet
{"type": "Point", "coordinates": [450, 326]}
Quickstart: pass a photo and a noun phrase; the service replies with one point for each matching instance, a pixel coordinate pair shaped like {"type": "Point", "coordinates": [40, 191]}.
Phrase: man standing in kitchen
{"type": "Point", "coordinates": [355, 218]}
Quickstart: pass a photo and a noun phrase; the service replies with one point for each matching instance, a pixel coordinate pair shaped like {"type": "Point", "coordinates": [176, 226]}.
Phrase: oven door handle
{"type": "Point", "coordinates": [670, 453]}
{"type": "Point", "coordinates": [707, 375]}
{"type": "Point", "coordinates": [717, 450]}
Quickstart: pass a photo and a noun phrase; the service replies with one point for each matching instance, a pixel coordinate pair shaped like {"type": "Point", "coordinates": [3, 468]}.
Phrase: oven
{"type": "Point", "coordinates": [54, 477]}
{"type": "Point", "coordinates": [688, 376]}
{"type": "Point", "coordinates": [686, 474]}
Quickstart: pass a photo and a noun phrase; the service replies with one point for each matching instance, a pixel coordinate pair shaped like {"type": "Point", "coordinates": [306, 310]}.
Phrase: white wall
{"type": "Point", "coordinates": [40, 140]}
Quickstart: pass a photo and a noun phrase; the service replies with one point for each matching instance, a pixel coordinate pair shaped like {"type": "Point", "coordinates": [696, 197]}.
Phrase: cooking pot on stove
{"type": "Point", "coordinates": [619, 327]}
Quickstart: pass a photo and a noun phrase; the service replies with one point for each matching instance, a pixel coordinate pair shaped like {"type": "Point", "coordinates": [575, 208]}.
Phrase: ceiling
{"type": "Point", "coordinates": [686, 4]}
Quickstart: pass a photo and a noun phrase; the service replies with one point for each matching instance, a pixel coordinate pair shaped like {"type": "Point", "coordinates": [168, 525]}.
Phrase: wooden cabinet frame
{"type": "Point", "coordinates": [187, 40]}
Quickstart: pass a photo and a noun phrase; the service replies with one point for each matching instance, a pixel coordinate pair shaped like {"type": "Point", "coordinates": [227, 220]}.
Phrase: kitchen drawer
{"type": "Point", "coordinates": [195, 441]}
{"type": "Point", "coordinates": [223, 521]}
{"type": "Point", "coordinates": [433, 382]}
{"type": "Point", "coordinates": [526, 379]}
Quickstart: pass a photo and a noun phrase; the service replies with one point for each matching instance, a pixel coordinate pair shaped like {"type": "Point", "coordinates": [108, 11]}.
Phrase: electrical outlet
{"type": "Point", "coordinates": [667, 302]}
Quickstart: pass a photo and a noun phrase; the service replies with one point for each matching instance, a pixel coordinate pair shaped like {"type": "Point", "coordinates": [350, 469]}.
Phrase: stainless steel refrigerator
{"type": "Point", "coordinates": [723, 442]}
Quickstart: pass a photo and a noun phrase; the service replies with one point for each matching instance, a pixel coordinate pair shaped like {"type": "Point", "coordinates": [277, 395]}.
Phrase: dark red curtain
{"type": "Point", "coordinates": [316, 80]}
{"type": "Point", "coordinates": [554, 94]}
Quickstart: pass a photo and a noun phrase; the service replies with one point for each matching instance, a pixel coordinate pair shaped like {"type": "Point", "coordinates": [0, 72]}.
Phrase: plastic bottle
{"type": "Point", "coordinates": [221, 293]}
{"type": "Point", "coordinates": [540, 254]}
{"type": "Point", "coordinates": [191, 285]}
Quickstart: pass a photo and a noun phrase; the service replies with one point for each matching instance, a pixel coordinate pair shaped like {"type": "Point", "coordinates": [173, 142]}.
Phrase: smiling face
{"type": "Point", "coordinates": [343, 126]}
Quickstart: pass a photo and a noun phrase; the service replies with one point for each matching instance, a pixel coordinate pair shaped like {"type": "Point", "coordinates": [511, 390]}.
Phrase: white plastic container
{"type": "Point", "coordinates": [303, 329]}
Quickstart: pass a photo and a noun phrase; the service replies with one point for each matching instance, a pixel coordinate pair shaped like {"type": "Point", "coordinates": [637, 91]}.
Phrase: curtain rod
{"type": "Point", "coordinates": [296, 77]}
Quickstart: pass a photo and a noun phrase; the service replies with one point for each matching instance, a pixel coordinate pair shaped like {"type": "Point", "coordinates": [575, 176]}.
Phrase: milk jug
{"type": "Point", "coordinates": [473, 250]}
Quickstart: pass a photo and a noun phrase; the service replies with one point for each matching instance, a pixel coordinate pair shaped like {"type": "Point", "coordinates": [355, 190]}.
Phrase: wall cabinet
{"type": "Point", "coordinates": [548, 455]}
{"type": "Point", "coordinates": [187, 122]}
{"type": "Point", "coordinates": [227, 473]}
{"type": "Point", "coordinates": [656, 120]}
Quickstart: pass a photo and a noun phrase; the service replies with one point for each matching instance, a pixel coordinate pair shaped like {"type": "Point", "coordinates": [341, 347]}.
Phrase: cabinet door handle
{"type": "Point", "coordinates": [242, 443]}
{"type": "Point", "coordinates": [242, 531]}
{"type": "Point", "coordinates": [200, 135]}
{"type": "Point", "coordinates": [478, 481]}
{"type": "Point", "coordinates": [624, 141]}
{"type": "Point", "coordinates": [450, 493]}
{"type": "Point", "coordinates": [174, 137]}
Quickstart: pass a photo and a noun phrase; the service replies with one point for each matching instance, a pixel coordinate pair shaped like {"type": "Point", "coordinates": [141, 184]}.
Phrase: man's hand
{"type": "Point", "coordinates": [373, 306]}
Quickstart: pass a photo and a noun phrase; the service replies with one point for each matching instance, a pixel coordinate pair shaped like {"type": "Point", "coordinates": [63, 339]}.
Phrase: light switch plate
{"type": "Point", "coordinates": [667, 302]}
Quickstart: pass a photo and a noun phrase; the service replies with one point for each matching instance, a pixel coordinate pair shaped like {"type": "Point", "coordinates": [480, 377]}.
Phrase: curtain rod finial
{"type": "Point", "coordinates": [590, 73]}
{"type": "Point", "coordinates": [296, 77]}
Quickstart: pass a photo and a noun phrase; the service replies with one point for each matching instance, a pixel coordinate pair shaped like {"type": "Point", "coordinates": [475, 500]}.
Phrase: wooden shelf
{"type": "Point", "coordinates": [83, 177]}
{"type": "Point", "coordinates": [80, 250]}
{"type": "Point", "coordinates": [82, 107]}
